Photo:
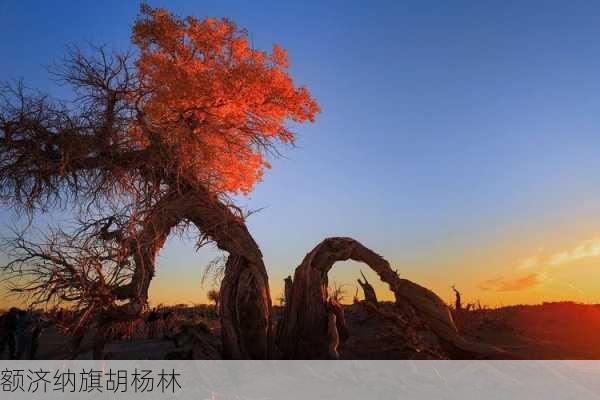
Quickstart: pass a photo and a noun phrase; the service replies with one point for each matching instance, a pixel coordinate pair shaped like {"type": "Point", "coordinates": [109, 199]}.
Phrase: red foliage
{"type": "Point", "coordinates": [214, 102]}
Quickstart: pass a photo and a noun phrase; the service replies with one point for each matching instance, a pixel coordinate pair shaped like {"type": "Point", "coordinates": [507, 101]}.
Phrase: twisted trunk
{"type": "Point", "coordinates": [245, 299]}
{"type": "Point", "coordinates": [245, 302]}
{"type": "Point", "coordinates": [305, 330]}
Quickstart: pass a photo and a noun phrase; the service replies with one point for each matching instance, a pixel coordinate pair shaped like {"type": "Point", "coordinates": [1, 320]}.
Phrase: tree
{"type": "Point", "coordinates": [336, 292]}
{"type": "Point", "coordinates": [159, 141]}
{"type": "Point", "coordinates": [213, 295]}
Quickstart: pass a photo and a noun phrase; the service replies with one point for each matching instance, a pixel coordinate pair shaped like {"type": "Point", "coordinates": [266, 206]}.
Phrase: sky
{"type": "Point", "coordinates": [459, 140]}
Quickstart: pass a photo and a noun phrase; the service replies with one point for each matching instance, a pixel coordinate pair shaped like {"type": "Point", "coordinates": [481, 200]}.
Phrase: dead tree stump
{"type": "Point", "coordinates": [457, 302]}
{"type": "Point", "coordinates": [367, 289]}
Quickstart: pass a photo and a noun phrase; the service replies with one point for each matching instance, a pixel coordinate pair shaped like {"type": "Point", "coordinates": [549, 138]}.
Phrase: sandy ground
{"type": "Point", "coordinates": [549, 331]}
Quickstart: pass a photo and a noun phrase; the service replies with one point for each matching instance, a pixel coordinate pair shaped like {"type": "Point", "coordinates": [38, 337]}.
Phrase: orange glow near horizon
{"type": "Point", "coordinates": [515, 272]}
{"type": "Point", "coordinates": [557, 271]}
{"type": "Point", "coordinates": [566, 273]}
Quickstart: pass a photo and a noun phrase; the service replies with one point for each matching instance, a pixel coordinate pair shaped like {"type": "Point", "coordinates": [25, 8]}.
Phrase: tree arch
{"type": "Point", "coordinates": [245, 302]}
{"type": "Point", "coordinates": [304, 331]}
{"type": "Point", "coordinates": [306, 324]}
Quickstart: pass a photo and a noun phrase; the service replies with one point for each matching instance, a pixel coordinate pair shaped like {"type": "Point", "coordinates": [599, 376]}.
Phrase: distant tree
{"type": "Point", "coordinates": [213, 295]}
{"type": "Point", "coordinates": [336, 292]}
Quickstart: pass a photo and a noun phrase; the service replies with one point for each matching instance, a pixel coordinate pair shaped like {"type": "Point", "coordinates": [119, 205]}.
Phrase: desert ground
{"type": "Point", "coordinates": [563, 330]}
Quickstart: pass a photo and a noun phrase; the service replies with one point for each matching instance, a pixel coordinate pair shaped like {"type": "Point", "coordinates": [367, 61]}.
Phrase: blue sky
{"type": "Point", "coordinates": [456, 138]}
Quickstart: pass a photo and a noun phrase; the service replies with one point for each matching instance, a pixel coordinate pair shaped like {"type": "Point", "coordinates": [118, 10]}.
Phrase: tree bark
{"type": "Point", "coordinates": [165, 215]}
{"type": "Point", "coordinates": [287, 293]}
{"type": "Point", "coordinates": [245, 299]}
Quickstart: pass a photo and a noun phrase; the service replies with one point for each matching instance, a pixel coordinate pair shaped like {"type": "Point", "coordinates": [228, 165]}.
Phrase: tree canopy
{"type": "Point", "coordinates": [215, 103]}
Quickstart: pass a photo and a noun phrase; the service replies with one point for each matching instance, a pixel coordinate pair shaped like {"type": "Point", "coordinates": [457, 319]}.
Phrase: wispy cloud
{"type": "Point", "coordinates": [588, 248]}
{"type": "Point", "coordinates": [575, 288]}
{"type": "Point", "coordinates": [528, 263]}
{"type": "Point", "coordinates": [541, 266]}
{"type": "Point", "coordinates": [512, 284]}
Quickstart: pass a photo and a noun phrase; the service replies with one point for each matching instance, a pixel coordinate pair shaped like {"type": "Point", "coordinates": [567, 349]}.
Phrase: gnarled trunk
{"type": "Point", "coordinates": [245, 299]}
{"type": "Point", "coordinates": [306, 325]}
{"type": "Point", "coordinates": [305, 329]}
{"type": "Point", "coordinates": [245, 310]}
{"type": "Point", "coordinates": [165, 215]}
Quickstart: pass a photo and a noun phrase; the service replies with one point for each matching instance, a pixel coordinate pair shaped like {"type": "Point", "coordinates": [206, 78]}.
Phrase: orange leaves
{"type": "Point", "coordinates": [279, 56]}
{"type": "Point", "coordinates": [213, 103]}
